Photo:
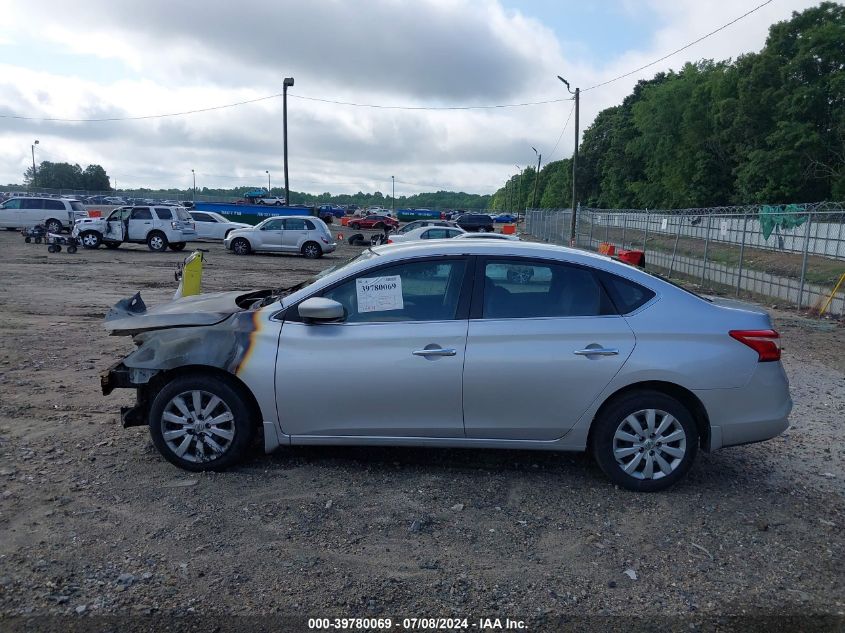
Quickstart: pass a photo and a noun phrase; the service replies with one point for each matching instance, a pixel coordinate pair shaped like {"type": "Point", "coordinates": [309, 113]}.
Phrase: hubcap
{"type": "Point", "coordinates": [89, 240]}
{"type": "Point", "coordinates": [649, 444]}
{"type": "Point", "coordinates": [156, 242]}
{"type": "Point", "coordinates": [197, 426]}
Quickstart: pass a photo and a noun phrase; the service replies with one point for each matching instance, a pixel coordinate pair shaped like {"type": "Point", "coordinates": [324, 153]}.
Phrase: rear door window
{"type": "Point", "coordinates": [141, 213]}
{"type": "Point", "coordinates": [202, 217]}
{"type": "Point", "coordinates": [54, 205]}
{"type": "Point", "coordinates": [524, 289]}
{"type": "Point", "coordinates": [295, 224]}
{"type": "Point", "coordinates": [32, 203]}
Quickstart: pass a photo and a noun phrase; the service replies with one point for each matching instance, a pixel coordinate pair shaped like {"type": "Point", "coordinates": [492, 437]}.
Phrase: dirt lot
{"type": "Point", "coordinates": [94, 523]}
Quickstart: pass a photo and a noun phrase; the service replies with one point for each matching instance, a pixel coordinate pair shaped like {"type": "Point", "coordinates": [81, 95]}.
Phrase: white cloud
{"type": "Point", "coordinates": [183, 56]}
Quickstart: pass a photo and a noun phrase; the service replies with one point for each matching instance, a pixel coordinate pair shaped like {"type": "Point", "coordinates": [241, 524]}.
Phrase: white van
{"type": "Point", "coordinates": [56, 214]}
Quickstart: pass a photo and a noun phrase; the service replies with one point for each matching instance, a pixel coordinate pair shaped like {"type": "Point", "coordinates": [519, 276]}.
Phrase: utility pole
{"type": "Point", "coordinates": [573, 220]}
{"type": "Point", "coordinates": [267, 171]}
{"type": "Point", "coordinates": [393, 195]}
{"type": "Point", "coordinates": [518, 189]}
{"type": "Point", "coordinates": [33, 161]}
{"type": "Point", "coordinates": [287, 82]}
{"type": "Point", "coordinates": [536, 178]}
{"type": "Point", "coordinates": [194, 174]}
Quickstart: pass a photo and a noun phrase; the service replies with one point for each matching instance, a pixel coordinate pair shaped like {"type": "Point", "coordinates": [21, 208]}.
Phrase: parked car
{"type": "Point", "coordinates": [269, 200]}
{"type": "Point", "coordinates": [487, 236]}
{"type": "Point", "coordinates": [378, 222]}
{"type": "Point", "coordinates": [159, 227]}
{"type": "Point", "coordinates": [213, 226]}
{"type": "Point", "coordinates": [427, 233]}
{"type": "Point", "coordinates": [291, 234]}
{"type": "Point", "coordinates": [587, 354]}
{"type": "Point", "coordinates": [410, 226]}
{"type": "Point", "coordinates": [503, 218]}
{"type": "Point", "coordinates": [475, 222]}
{"type": "Point", "coordinates": [56, 214]}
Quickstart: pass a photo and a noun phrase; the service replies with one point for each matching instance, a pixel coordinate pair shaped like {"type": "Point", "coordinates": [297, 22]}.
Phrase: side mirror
{"type": "Point", "coordinates": [320, 309]}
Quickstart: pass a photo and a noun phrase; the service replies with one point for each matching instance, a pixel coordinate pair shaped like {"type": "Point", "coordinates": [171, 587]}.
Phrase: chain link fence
{"type": "Point", "coordinates": [773, 253]}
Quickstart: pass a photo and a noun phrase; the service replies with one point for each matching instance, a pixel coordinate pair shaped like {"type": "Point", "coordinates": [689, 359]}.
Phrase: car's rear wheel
{"type": "Point", "coordinates": [157, 241]}
{"type": "Point", "coordinates": [53, 226]}
{"type": "Point", "coordinates": [312, 250]}
{"type": "Point", "coordinates": [240, 246]}
{"type": "Point", "coordinates": [201, 422]}
{"type": "Point", "coordinates": [645, 441]}
{"type": "Point", "coordinates": [90, 239]}
{"type": "Point", "coordinates": [379, 226]}
{"type": "Point", "coordinates": [354, 225]}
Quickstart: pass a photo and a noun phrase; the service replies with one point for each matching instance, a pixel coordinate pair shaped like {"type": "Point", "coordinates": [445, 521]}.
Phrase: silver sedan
{"type": "Point", "coordinates": [525, 346]}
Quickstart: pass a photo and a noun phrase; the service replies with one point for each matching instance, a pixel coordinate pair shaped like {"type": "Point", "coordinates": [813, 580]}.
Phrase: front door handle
{"type": "Point", "coordinates": [437, 351]}
{"type": "Point", "coordinates": [597, 351]}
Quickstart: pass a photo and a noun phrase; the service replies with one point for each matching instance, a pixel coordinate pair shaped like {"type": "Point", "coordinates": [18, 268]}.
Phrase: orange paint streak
{"type": "Point", "coordinates": [253, 342]}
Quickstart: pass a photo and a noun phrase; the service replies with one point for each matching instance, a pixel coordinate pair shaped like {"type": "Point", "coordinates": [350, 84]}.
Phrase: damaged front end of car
{"type": "Point", "coordinates": [210, 333]}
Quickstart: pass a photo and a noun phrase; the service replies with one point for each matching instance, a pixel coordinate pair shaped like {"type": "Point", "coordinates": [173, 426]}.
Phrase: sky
{"type": "Point", "coordinates": [107, 59]}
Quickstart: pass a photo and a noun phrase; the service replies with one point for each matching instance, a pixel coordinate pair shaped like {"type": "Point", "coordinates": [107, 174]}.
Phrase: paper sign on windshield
{"type": "Point", "coordinates": [379, 294]}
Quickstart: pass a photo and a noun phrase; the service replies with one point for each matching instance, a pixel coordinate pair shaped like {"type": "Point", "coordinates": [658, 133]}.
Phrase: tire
{"type": "Point", "coordinates": [90, 239]}
{"type": "Point", "coordinates": [240, 246]}
{"type": "Point", "coordinates": [312, 250]}
{"type": "Point", "coordinates": [112, 245]}
{"type": "Point", "coordinates": [71, 249]}
{"type": "Point", "coordinates": [620, 438]}
{"type": "Point", "coordinates": [57, 248]}
{"type": "Point", "coordinates": [37, 240]}
{"type": "Point", "coordinates": [27, 239]}
{"type": "Point", "coordinates": [177, 246]}
{"type": "Point", "coordinates": [157, 241]}
{"type": "Point", "coordinates": [379, 226]}
{"type": "Point", "coordinates": [354, 226]}
{"type": "Point", "coordinates": [53, 226]}
{"type": "Point", "coordinates": [217, 449]}
{"type": "Point", "coordinates": [329, 219]}
{"type": "Point", "coordinates": [51, 249]}
{"type": "Point", "coordinates": [277, 203]}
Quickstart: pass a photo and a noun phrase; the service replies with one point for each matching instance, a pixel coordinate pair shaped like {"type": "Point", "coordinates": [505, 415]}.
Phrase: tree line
{"type": "Point", "coordinates": [768, 127]}
{"type": "Point", "coordinates": [51, 175]}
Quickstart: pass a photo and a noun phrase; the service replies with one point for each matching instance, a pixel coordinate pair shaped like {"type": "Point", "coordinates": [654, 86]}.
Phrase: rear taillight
{"type": "Point", "coordinates": [389, 241]}
{"type": "Point", "coordinates": [764, 342]}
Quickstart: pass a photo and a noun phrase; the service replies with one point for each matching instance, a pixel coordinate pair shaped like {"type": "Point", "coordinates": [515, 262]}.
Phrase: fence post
{"type": "Point", "coordinates": [592, 221]}
{"type": "Point", "coordinates": [607, 228]}
{"type": "Point", "coordinates": [675, 247]}
{"type": "Point", "coordinates": [741, 252]}
{"type": "Point", "coordinates": [645, 234]}
{"type": "Point", "coordinates": [624, 229]}
{"type": "Point", "coordinates": [706, 245]}
{"type": "Point", "coordinates": [804, 261]}
{"type": "Point", "coordinates": [577, 232]}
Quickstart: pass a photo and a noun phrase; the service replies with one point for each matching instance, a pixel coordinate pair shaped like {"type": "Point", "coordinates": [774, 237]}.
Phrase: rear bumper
{"type": "Point", "coordinates": [756, 412]}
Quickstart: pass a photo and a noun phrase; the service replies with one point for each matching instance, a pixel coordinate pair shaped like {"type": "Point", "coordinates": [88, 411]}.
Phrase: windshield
{"type": "Point", "coordinates": [284, 292]}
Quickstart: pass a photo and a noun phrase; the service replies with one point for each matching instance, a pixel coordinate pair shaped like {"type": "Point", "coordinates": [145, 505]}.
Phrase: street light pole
{"type": "Point", "coordinates": [572, 223]}
{"type": "Point", "coordinates": [33, 161]}
{"type": "Point", "coordinates": [287, 82]}
{"type": "Point", "coordinates": [536, 178]}
{"type": "Point", "coordinates": [194, 174]}
{"type": "Point", "coordinates": [518, 188]}
{"type": "Point", "coordinates": [393, 195]}
{"type": "Point", "coordinates": [267, 171]}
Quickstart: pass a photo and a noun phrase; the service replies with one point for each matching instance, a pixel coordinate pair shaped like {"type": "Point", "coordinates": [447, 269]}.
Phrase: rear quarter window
{"type": "Point", "coordinates": [626, 295]}
{"type": "Point", "coordinates": [164, 214]}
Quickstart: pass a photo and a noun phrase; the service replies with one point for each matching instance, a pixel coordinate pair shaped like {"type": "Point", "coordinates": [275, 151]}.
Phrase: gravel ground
{"type": "Point", "coordinates": [94, 523]}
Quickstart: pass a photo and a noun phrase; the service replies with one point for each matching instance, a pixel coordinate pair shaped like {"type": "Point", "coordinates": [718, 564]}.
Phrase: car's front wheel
{"type": "Point", "coordinates": [201, 422]}
{"type": "Point", "coordinates": [645, 441]}
{"type": "Point", "coordinates": [240, 246]}
{"type": "Point", "coordinates": [91, 239]}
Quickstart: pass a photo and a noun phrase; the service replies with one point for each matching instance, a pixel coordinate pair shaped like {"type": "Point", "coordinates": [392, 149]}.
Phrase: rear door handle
{"type": "Point", "coordinates": [434, 352]}
{"type": "Point", "coordinates": [597, 351]}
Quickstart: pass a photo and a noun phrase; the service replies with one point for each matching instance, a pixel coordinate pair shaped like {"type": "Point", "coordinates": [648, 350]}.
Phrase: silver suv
{"type": "Point", "coordinates": [159, 227]}
{"type": "Point", "coordinates": [291, 234]}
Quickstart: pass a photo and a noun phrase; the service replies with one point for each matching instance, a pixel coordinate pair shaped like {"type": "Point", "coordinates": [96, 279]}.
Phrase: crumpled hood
{"type": "Point", "coordinates": [130, 316]}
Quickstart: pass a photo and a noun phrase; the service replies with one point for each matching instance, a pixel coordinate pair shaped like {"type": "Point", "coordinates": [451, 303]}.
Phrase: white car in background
{"type": "Point", "coordinates": [56, 214]}
{"type": "Point", "coordinates": [213, 226]}
{"type": "Point", "coordinates": [302, 234]}
{"type": "Point", "coordinates": [427, 233]}
{"type": "Point", "coordinates": [487, 236]}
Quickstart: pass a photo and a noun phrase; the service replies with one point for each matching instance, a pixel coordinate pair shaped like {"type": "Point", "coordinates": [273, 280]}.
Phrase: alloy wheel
{"type": "Point", "coordinates": [649, 444]}
{"type": "Point", "coordinates": [197, 426]}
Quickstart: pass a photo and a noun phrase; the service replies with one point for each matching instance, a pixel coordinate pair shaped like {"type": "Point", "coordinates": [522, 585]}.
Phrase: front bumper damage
{"type": "Point", "coordinates": [119, 376]}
